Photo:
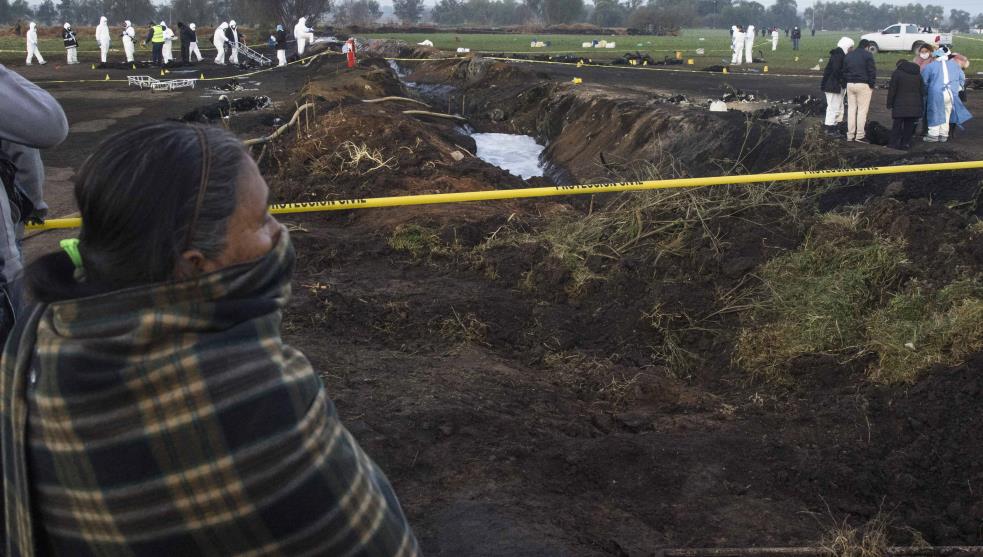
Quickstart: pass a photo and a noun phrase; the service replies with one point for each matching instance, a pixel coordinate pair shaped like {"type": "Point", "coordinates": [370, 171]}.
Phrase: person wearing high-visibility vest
{"type": "Point", "coordinates": [155, 36]}
{"type": "Point", "coordinates": [349, 50]}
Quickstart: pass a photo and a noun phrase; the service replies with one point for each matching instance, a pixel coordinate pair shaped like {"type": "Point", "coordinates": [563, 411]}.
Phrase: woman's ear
{"type": "Point", "coordinates": [192, 263]}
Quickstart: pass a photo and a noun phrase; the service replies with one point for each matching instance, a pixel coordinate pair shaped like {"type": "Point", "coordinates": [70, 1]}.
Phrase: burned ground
{"type": "Point", "coordinates": [559, 377]}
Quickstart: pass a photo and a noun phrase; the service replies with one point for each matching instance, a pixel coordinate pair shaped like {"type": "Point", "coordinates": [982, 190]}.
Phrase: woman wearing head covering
{"type": "Point", "coordinates": [32, 45]}
{"type": "Point", "coordinates": [149, 405]}
{"type": "Point", "coordinates": [834, 86]}
{"type": "Point", "coordinates": [71, 44]}
{"type": "Point", "coordinates": [102, 37]}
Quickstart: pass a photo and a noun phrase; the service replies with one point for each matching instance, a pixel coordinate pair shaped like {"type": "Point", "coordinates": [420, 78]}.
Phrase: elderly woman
{"type": "Point", "coordinates": [149, 405]}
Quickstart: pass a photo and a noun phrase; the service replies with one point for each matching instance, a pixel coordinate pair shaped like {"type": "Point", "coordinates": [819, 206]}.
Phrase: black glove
{"type": "Point", "coordinates": [962, 96]}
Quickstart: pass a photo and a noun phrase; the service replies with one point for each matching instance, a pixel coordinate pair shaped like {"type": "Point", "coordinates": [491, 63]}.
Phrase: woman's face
{"type": "Point", "coordinates": [251, 231]}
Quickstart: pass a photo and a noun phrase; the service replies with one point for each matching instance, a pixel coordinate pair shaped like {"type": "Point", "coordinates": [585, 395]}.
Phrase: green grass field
{"type": "Point", "coordinates": [715, 42]}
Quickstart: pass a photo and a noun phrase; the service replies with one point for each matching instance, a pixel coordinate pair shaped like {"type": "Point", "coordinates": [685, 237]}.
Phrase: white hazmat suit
{"type": "Point", "coordinates": [218, 40]}
{"type": "Point", "coordinates": [774, 40]}
{"type": "Point", "coordinates": [102, 37]}
{"type": "Point", "coordinates": [738, 47]}
{"type": "Point", "coordinates": [193, 49]}
{"type": "Point", "coordinates": [32, 44]}
{"type": "Point", "coordinates": [303, 34]}
{"type": "Point", "coordinates": [234, 43]}
{"type": "Point", "coordinates": [168, 50]}
{"type": "Point", "coordinates": [129, 33]}
{"type": "Point", "coordinates": [749, 44]}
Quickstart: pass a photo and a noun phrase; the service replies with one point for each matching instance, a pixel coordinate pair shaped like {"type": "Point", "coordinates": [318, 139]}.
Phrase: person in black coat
{"type": "Point", "coordinates": [834, 86]}
{"type": "Point", "coordinates": [187, 37]}
{"type": "Point", "coordinates": [796, 37]}
{"type": "Point", "coordinates": [905, 98]}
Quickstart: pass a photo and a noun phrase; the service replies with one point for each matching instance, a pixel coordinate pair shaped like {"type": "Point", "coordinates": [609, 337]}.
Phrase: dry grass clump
{"type": "Point", "coordinates": [869, 540]}
{"type": "Point", "coordinates": [817, 299]}
{"type": "Point", "coordinates": [917, 329]}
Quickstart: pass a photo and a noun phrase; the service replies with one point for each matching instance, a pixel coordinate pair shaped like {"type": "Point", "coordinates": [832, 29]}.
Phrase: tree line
{"type": "Point", "coordinates": [650, 15]}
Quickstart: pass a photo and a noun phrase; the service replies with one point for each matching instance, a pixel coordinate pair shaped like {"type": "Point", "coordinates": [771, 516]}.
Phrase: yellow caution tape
{"type": "Point", "coordinates": [583, 189]}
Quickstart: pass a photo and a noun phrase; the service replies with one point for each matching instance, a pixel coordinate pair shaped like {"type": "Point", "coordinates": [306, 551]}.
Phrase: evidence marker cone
{"type": "Point", "coordinates": [161, 72]}
{"type": "Point", "coordinates": [107, 77]}
{"type": "Point", "coordinates": [93, 66]}
{"type": "Point", "coordinates": [766, 69]}
{"type": "Point", "coordinates": [725, 70]}
{"type": "Point", "coordinates": [202, 76]}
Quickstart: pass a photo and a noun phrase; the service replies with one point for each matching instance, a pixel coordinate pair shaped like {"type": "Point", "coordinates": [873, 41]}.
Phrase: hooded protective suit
{"type": "Point", "coordinates": [303, 34]}
{"type": "Point", "coordinates": [193, 47]}
{"type": "Point", "coordinates": [218, 40]}
{"type": "Point", "coordinates": [232, 36]}
{"type": "Point", "coordinates": [168, 43]}
{"type": "Point", "coordinates": [32, 45]}
{"type": "Point", "coordinates": [102, 37]}
{"type": "Point", "coordinates": [129, 33]}
{"type": "Point", "coordinates": [749, 44]}
{"type": "Point", "coordinates": [71, 44]}
{"type": "Point", "coordinates": [738, 47]}
{"type": "Point", "coordinates": [943, 80]}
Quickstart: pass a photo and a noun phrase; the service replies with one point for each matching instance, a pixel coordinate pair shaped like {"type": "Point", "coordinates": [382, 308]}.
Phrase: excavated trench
{"type": "Point", "coordinates": [578, 353]}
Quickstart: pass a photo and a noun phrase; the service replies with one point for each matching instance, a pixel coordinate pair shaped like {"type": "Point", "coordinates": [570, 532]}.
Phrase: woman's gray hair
{"type": "Point", "coordinates": [137, 195]}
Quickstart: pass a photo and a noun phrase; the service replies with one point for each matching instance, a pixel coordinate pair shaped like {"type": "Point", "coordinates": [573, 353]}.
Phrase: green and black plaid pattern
{"type": "Point", "coordinates": [172, 420]}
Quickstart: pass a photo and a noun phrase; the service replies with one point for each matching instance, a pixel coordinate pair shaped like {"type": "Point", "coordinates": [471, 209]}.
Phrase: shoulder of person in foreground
{"type": "Point", "coordinates": [29, 115]}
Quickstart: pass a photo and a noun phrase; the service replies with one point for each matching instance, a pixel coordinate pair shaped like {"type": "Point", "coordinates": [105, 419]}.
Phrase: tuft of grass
{"type": "Point", "coordinates": [917, 329]}
{"type": "Point", "coordinates": [817, 298]}
{"type": "Point", "coordinates": [465, 329]}
{"type": "Point", "coordinates": [419, 241]}
{"type": "Point", "coordinates": [869, 540]}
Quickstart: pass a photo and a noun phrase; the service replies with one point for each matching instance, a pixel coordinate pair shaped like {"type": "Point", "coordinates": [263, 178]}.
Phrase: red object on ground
{"type": "Point", "coordinates": [351, 53]}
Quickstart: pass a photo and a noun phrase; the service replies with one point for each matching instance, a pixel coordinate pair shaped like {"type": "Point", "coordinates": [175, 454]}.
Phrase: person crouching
{"type": "Point", "coordinates": [905, 99]}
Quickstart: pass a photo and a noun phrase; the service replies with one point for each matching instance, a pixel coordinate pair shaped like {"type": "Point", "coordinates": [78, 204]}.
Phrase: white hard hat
{"type": "Point", "coordinates": [67, 25]}
{"type": "Point", "coordinates": [192, 26]}
{"type": "Point", "coordinates": [232, 23]}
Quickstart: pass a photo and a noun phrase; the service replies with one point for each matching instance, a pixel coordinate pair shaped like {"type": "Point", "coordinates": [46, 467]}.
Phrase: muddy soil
{"type": "Point", "coordinates": [520, 410]}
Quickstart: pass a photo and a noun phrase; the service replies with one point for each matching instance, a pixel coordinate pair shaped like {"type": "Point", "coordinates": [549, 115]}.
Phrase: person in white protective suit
{"type": "Point", "coordinates": [168, 51]}
{"type": "Point", "coordinates": [303, 34]}
{"type": "Point", "coordinates": [774, 39]}
{"type": "Point", "coordinates": [218, 40]}
{"type": "Point", "coordinates": [232, 36]}
{"type": "Point", "coordinates": [71, 44]}
{"type": "Point", "coordinates": [129, 33]}
{"type": "Point", "coordinates": [193, 48]}
{"type": "Point", "coordinates": [32, 45]}
{"type": "Point", "coordinates": [749, 44]}
{"type": "Point", "coordinates": [102, 37]}
{"type": "Point", "coordinates": [738, 56]}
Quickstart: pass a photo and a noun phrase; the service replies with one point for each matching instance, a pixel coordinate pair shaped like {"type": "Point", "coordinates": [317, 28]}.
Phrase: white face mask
{"type": "Point", "coordinates": [924, 55]}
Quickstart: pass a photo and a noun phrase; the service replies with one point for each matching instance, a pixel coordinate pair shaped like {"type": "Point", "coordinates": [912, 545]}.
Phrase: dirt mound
{"type": "Point", "coordinates": [393, 48]}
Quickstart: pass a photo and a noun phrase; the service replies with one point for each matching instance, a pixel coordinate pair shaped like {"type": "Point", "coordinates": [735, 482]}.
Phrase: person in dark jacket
{"type": "Point", "coordinates": [860, 72]}
{"type": "Point", "coordinates": [280, 38]}
{"type": "Point", "coordinates": [905, 98]}
{"type": "Point", "coordinates": [71, 44]}
{"type": "Point", "coordinates": [796, 37]}
{"type": "Point", "coordinates": [834, 85]}
{"type": "Point", "coordinates": [187, 37]}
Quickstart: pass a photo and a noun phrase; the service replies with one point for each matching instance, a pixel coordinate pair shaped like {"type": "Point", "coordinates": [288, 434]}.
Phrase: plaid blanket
{"type": "Point", "coordinates": [172, 420]}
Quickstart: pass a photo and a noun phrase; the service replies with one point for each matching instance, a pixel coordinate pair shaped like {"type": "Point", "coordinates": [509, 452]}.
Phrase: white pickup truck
{"type": "Point", "coordinates": [904, 37]}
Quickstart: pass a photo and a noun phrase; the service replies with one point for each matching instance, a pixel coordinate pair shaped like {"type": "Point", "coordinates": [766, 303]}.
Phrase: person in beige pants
{"type": "Point", "coordinates": [860, 73]}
